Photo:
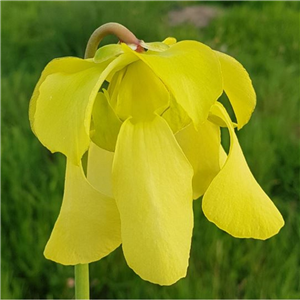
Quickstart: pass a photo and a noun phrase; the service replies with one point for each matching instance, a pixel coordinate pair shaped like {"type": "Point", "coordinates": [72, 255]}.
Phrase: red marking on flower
{"type": "Point", "coordinates": [139, 49]}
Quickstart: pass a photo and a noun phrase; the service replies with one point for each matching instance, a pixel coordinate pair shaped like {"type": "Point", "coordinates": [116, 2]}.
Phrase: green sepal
{"type": "Point", "coordinates": [107, 52]}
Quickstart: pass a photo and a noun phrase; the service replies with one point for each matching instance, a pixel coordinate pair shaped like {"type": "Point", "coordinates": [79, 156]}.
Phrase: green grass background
{"type": "Point", "coordinates": [264, 36]}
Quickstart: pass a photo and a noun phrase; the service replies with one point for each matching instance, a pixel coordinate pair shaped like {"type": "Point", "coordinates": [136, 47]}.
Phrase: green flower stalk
{"type": "Point", "coordinates": [154, 145]}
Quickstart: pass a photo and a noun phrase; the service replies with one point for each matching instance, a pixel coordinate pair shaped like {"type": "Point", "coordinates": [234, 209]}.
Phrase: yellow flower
{"type": "Point", "coordinates": [153, 142]}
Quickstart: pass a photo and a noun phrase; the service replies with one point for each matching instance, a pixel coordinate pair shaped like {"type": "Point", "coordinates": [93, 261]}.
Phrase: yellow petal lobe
{"type": "Point", "coordinates": [88, 225]}
{"type": "Point", "coordinates": [67, 65]}
{"type": "Point", "coordinates": [234, 200]}
{"type": "Point", "coordinates": [201, 147]}
{"type": "Point", "coordinates": [238, 87]}
{"type": "Point", "coordinates": [152, 184]}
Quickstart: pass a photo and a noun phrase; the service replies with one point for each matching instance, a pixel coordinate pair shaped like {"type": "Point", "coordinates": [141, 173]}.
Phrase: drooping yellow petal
{"type": "Point", "coordinates": [202, 149]}
{"type": "Point", "coordinates": [234, 200]}
{"type": "Point", "coordinates": [88, 225]}
{"type": "Point", "coordinates": [67, 65]}
{"type": "Point", "coordinates": [60, 115]}
{"type": "Point", "coordinates": [106, 123]}
{"type": "Point", "coordinates": [238, 87]}
{"type": "Point", "coordinates": [152, 184]}
{"type": "Point", "coordinates": [191, 71]}
{"type": "Point", "coordinates": [62, 106]}
{"type": "Point", "coordinates": [99, 169]}
{"type": "Point", "coordinates": [141, 93]}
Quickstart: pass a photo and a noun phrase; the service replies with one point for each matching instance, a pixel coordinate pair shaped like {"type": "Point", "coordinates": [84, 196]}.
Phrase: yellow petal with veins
{"type": "Point", "coordinates": [202, 148]}
{"type": "Point", "coordinates": [88, 225]}
{"type": "Point", "coordinates": [152, 184]}
{"type": "Point", "coordinates": [67, 65]}
{"type": "Point", "coordinates": [191, 71]}
{"type": "Point", "coordinates": [62, 105]}
{"type": "Point", "coordinates": [234, 201]}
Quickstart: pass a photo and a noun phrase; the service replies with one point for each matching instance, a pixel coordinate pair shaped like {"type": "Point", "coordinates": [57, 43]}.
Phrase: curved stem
{"type": "Point", "coordinates": [82, 286]}
{"type": "Point", "coordinates": [124, 34]}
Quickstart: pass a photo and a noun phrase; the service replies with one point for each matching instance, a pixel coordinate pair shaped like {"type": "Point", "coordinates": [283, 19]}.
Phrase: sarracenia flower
{"type": "Point", "coordinates": [149, 117]}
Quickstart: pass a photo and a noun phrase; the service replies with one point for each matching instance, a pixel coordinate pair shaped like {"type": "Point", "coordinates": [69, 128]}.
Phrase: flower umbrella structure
{"type": "Point", "coordinates": [149, 117]}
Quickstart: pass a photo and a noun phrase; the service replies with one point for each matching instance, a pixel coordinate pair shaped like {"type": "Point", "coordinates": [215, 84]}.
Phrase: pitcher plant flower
{"type": "Point", "coordinates": [148, 116]}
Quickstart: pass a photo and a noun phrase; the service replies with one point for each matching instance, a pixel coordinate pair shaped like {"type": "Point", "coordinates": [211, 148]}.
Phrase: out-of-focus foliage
{"type": "Point", "coordinates": [264, 37]}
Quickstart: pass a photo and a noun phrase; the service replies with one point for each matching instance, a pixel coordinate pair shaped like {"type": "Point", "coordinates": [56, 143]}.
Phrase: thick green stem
{"type": "Point", "coordinates": [124, 34]}
{"type": "Point", "coordinates": [82, 285]}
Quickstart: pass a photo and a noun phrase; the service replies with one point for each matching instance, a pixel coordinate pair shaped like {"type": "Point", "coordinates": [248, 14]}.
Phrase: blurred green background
{"type": "Point", "coordinates": [263, 36]}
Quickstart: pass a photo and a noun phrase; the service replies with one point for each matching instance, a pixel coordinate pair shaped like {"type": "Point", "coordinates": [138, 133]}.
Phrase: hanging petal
{"type": "Point", "coordinates": [99, 169]}
{"type": "Point", "coordinates": [202, 149]}
{"type": "Point", "coordinates": [191, 71]}
{"type": "Point", "coordinates": [106, 123]}
{"type": "Point", "coordinates": [238, 87]}
{"type": "Point", "coordinates": [88, 225]}
{"type": "Point", "coordinates": [67, 65]}
{"type": "Point", "coordinates": [234, 201]}
{"type": "Point", "coordinates": [62, 105]}
{"type": "Point", "coordinates": [152, 184]}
